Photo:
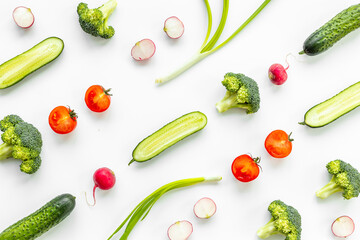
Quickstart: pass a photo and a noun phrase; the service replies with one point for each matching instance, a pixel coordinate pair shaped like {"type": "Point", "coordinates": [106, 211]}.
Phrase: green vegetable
{"type": "Point", "coordinates": [333, 108]}
{"type": "Point", "coordinates": [242, 92]}
{"type": "Point", "coordinates": [144, 207]}
{"type": "Point", "coordinates": [17, 68]}
{"type": "Point", "coordinates": [21, 141]}
{"type": "Point", "coordinates": [39, 222]}
{"type": "Point", "coordinates": [94, 21]}
{"type": "Point", "coordinates": [285, 220]}
{"type": "Point", "coordinates": [345, 179]}
{"type": "Point", "coordinates": [208, 47]}
{"type": "Point", "coordinates": [338, 27]}
{"type": "Point", "coordinates": [168, 135]}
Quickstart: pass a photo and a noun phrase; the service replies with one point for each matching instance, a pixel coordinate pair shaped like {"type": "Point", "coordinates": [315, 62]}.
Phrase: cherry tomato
{"type": "Point", "coordinates": [278, 144]}
{"type": "Point", "coordinates": [245, 168]}
{"type": "Point", "coordinates": [62, 120]}
{"type": "Point", "coordinates": [97, 98]}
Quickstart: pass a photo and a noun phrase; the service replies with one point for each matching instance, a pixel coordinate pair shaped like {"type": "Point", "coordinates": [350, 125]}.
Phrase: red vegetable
{"type": "Point", "coordinates": [278, 144]}
{"type": "Point", "coordinates": [343, 227]}
{"type": "Point", "coordinates": [245, 168]}
{"type": "Point", "coordinates": [97, 98]}
{"type": "Point", "coordinates": [23, 17]}
{"type": "Point", "coordinates": [62, 120]}
{"type": "Point", "coordinates": [173, 27]}
{"type": "Point", "coordinates": [277, 74]}
{"type": "Point", "coordinates": [181, 230]}
{"type": "Point", "coordinates": [104, 178]}
{"type": "Point", "coordinates": [143, 50]}
{"type": "Point", "coordinates": [205, 208]}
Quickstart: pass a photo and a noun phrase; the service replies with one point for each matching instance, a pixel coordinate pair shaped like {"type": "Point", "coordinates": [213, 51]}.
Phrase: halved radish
{"type": "Point", "coordinates": [343, 227]}
{"type": "Point", "coordinates": [173, 27]}
{"type": "Point", "coordinates": [23, 17]}
{"type": "Point", "coordinates": [143, 50]}
{"type": "Point", "coordinates": [181, 230]}
{"type": "Point", "coordinates": [205, 208]}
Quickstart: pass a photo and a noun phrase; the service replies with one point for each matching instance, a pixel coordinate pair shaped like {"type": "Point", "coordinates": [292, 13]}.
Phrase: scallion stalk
{"type": "Point", "coordinates": [208, 47]}
{"type": "Point", "coordinates": [144, 207]}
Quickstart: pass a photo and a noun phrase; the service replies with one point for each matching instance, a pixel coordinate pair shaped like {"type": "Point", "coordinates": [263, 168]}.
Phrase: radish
{"type": "Point", "coordinates": [23, 17]}
{"type": "Point", "coordinates": [205, 208]}
{"type": "Point", "coordinates": [104, 178]}
{"type": "Point", "coordinates": [173, 27]}
{"type": "Point", "coordinates": [143, 50]}
{"type": "Point", "coordinates": [277, 74]}
{"type": "Point", "coordinates": [343, 227]}
{"type": "Point", "coordinates": [181, 230]}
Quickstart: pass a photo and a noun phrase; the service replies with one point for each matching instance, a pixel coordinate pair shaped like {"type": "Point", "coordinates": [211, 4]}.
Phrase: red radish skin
{"type": "Point", "coordinates": [23, 17]}
{"type": "Point", "coordinates": [181, 230]}
{"type": "Point", "coordinates": [143, 50]}
{"type": "Point", "coordinates": [343, 227]}
{"type": "Point", "coordinates": [104, 178]}
{"type": "Point", "coordinates": [278, 74]}
{"type": "Point", "coordinates": [174, 27]}
{"type": "Point", "coordinates": [205, 208]}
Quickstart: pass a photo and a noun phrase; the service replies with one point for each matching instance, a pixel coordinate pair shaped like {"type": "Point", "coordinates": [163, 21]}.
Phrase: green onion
{"type": "Point", "coordinates": [144, 207]}
{"type": "Point", "coordinates": [208, 47]}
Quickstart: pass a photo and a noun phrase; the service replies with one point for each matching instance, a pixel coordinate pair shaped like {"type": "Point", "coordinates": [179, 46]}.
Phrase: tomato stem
{"type": "Point", "coordinates": [257, 161]}
{"type": "Point", "coordinates": [72, 114]}
{"type": "Point", "coordinates": [107, 91]}
{"type": "Point", "coordinates": [290, 139]}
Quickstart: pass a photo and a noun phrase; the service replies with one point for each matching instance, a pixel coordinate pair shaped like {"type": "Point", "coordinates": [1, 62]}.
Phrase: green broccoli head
{"type": "Point", "coordinates": [94, 21]}
{"type": "Point", "coordinates": [30, 166]}
{"type": "Point", "coordinates": [285, 220]}
{"type": "Point", "coordinates": [242, 92]}
{"type": "Point", "coordinates": [345, 179]}
{"type": "Point", "coordinates": [9, 121]}
{"type": "Point", "coordinates": [21, 140]}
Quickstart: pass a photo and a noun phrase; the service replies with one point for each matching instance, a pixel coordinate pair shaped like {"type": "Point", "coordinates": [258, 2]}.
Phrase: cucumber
{"type": "Point", "coordinates": [17, 68]}
{"type": "Point", "coordinates": [168, 135]}
{"type": "Point", "coordinates": [338, 27]}
{"type": "Point", "coordinates": [42, 220]}
{"type": "Point", "coordinates": [333, 108]}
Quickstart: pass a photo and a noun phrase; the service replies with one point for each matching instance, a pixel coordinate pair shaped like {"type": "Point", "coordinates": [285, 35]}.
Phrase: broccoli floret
{"type": "Point", "coordinates": [242, 92]}
{"type": "Point", "coordinates": [345, 179]}
{"type": "Point", "coordinates": [21, 140]}
{"type": "Point", "coordinates": [9, 121]}
{"type": "Point", "coordinates": [285, 220]}
{"type": "Point", "coordinates": [94, 21]}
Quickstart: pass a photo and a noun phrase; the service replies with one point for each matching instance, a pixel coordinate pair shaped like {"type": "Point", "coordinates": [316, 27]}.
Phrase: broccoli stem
{"type": "Point", "coordinates": [267, 230]}
{"type": "Point", "coordinates": [329, 189]}
{"type": "Point", "coordinates": [108, 8]}
{"type": "Point", "coordinates": [229, 101]}
{"type": "Point", "coordinates": [5, 151]}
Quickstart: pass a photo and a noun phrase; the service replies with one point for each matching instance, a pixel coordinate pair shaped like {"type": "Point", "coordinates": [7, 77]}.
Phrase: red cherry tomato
{"type": "Point", "coordinates": [245, 168]}
{"type": "Point", "coordinates": [97, 98]}
{"type": "Point", "coordinates": [278, 144]}
{"type": "Point", "coordinates": [62, 120]}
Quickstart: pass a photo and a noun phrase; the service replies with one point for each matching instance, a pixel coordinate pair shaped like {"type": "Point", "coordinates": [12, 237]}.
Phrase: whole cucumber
{"type": "Point", "coordinates": [42, 220]}
{"type": "Point", "coordinates": [338, 27]}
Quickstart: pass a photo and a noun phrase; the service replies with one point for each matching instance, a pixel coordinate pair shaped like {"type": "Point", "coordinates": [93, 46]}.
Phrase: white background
{"type": "Point", "coordinates": [139, 107]}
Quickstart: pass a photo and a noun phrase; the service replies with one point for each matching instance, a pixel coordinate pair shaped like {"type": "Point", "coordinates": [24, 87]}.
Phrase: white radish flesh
{"type": "Point", "coordinates": [143, 50]}
{"type": "Point", "coordinates": [343, 227]}
{"type": "Point", "coordinates": [205, 208]}
{"type": "Point", "coordinates": [181, 230]}
{"type": "Point", "coordinates": [173, 27]}
{"type": "Point", "coordinates": [23, 17]}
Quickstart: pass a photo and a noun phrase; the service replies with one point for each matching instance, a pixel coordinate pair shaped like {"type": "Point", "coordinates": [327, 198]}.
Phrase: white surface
{"type": "Point", "coordinates": [139, 107]}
